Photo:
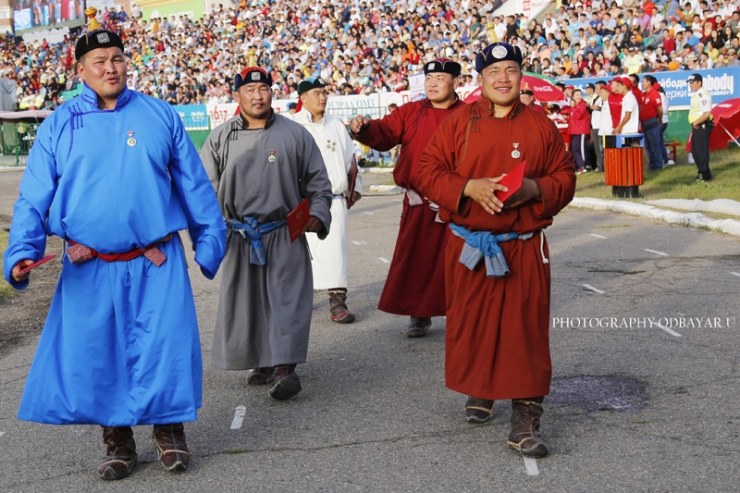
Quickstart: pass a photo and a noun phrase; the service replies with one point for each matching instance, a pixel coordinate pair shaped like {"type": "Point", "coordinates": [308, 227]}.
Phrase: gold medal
{"type": "Point", "coordinates": [272, 157]}
{"type": "Point", "coordinates": [131, 141]}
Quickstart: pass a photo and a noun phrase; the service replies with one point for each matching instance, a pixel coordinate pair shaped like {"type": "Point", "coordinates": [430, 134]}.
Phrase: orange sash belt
{"type": "Point", "coordinates": [79, 253]}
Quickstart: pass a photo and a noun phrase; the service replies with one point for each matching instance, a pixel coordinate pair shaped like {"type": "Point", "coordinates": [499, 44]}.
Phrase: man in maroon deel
{"type": "Point", "coordinates": [416, 280]}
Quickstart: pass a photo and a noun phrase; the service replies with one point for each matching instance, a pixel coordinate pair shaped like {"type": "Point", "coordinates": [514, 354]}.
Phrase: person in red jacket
{"type": "Point", "coordinates": [580, 132]}
{"type": "Point", "coordinates": [416, 280]}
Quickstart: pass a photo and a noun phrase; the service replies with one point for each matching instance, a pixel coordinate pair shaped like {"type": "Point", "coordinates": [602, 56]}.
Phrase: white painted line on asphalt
{"type": "Point", "coordinates": [397, 200]}
{"type": "Point", "coordinates": [588, 286]}
{"type": "Point", "coordinates": [356, 242]}
{"type": "Point", "coordinates": [366, 212]}
{"type": "Point", "coordinates": [531, 465]}
{"type": "Point", "coordinates": [599, 236]}
{"type": "Point", "coordinates": [657, 252]}
{"type": "Point", "coordinates": [670, 331]}
{"type": "Point", "coordinates": [363, 242]}
{"type": "Point", "coordinates": [384, 260]}
{"type": "Point", "coordinates": [239, 414]}
{"type": "Point", "coordinates": [2, 433]}
{"type": "Point", "coordinates": [735, 274]}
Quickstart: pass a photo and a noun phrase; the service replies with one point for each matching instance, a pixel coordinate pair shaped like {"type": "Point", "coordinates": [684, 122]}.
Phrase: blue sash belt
{"type": "Point", "coordinates": [482, 244]}
{"type": "Point", "coordinates": [252, 232]}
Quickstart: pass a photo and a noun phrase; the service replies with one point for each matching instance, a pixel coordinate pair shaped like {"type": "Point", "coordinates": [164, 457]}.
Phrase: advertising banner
{"type": "Point", "coordinates": [719, 82]}
{"type": "Point", "coordinates": [194, 116]}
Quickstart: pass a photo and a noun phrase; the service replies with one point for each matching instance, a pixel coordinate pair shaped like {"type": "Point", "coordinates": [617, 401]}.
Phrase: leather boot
{"type": "Point", "coordinates": [338, 306]}
{"type": "Point", "coordinates": [286, 383]}
{"type": "Point", "coordinates": [418, 327]}
{"type": "Point", "coordinates": [120, 453]}
{"type": "Point", "coordinates": [172, 450]}
{"type": "Point", "coordinates": [526, 434]}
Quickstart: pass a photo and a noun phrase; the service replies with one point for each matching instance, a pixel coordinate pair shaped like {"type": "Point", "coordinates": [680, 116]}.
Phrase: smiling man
{"type": "Point", "coordinates": [114, 174]}
{"type": "Point", "coordinates": [416, 282]}
{"type": "Point", "coordinates": [263, 165]}
{"type": "Point", "coordinates": [498, 310]}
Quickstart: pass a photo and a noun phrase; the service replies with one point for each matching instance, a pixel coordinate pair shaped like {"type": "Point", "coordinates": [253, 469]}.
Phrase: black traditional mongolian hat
{"type": "Point", "coordinates": [96, 37]}
{"type": "Point", "coordinates": [250, 75]}
{"type": "Point", "coordinates": [309, 84]}
{"type": "Point", "coordinates": [497, 52]}
{"type": "Point", "coordinates": [443, 65]}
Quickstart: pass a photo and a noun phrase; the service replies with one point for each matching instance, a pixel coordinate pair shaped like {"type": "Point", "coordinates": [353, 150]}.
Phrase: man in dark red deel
{"type": "Point", "coordinates": [416, 280]}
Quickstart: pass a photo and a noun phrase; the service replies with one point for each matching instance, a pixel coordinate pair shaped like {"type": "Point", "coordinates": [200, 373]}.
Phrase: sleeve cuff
{"type": "Point", "coordinates": [208, 259]}
{"type": "Point", "coordinates": [539, 206]}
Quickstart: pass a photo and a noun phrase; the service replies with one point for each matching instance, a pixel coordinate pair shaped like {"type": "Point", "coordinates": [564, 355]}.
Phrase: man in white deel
{"type": "Point", "coordinates": [329, 257]}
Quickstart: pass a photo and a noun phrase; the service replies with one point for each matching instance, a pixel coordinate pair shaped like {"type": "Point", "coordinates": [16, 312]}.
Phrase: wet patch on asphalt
{"type": "Point", "coordinates": [599, 393]}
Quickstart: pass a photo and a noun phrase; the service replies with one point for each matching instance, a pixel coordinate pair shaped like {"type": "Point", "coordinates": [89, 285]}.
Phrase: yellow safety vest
{"type": "Point", "coordinates": [701, 101]}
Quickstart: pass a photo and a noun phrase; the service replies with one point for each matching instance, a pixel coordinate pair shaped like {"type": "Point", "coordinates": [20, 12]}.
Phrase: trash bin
{"type": "Point", "coordinates": [623, 164]}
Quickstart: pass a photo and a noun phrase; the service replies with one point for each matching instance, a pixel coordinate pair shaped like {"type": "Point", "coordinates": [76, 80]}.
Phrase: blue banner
{"type": "Point", "coordinates": [194, 116]}
{"type": "Point", "coordinates": [719, 82]}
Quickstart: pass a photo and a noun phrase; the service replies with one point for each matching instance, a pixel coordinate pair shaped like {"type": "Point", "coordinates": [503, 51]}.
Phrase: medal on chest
{"type": "Point", "coordinates": [131, 141]}
{"type": "Point", "coordinates": [332, 146]}
{"type": "Point", "coordinates": [515, 153]}
{"type": "Point", "coordinates": [272, 157]}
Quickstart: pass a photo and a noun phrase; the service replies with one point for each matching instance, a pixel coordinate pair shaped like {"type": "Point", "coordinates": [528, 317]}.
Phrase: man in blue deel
{"type": "Point", "coordinates": [114, 174]}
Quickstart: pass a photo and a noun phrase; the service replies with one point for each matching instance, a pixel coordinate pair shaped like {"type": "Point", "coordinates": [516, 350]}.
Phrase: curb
{"type": "Point", "coordinates": [377, 170]}
{"type": "Point", "coordinates": [690, 219]}
{"type": "Point", "coordinates": [386, 189]}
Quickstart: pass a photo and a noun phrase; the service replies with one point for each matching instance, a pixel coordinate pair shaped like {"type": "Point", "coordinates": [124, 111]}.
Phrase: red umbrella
{"type": "Point", "coordinates": [726, 125]}
{"type": "Point", "coordinates": [543, 88]}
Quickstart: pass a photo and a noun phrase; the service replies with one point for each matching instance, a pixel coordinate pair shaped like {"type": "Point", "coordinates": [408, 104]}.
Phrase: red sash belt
{"type": "Point", "coordinates": [78, 253]}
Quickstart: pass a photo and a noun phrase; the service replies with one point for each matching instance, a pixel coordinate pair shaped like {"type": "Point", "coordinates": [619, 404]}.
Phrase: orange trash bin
{"type": "Point", "coordinates": [623, 170]}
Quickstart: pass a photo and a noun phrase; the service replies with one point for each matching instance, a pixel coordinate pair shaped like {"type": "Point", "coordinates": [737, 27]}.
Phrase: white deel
{"type": "Point", "coordinates": [329, 256]}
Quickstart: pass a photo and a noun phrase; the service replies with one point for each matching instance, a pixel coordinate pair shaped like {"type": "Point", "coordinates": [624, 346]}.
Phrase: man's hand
{"type": "Point", "coordinates": [17, 277]}
{"type": "Point", "coordinates": [313, 225]}
{"type": "Point", "coordinates": [352, 200]}
{"type": "Point", "coordinates": [359, 124]}
{"type": "Point", "coordinates": [618, 130]}
{"type": "Point", "coordinates": [483, 192]}
{"type": "Point", "coordinates": [529, 191]}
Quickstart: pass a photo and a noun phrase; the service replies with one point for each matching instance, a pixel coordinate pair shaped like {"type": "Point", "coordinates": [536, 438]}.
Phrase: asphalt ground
{"type": "Point", "coordinates": [636, 407]}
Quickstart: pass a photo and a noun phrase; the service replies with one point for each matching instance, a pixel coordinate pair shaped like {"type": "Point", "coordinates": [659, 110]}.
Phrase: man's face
{"type": "Point", "coordinates": [104, 70]}
{"type": "Point", "coordinates": [646, 85]}
{"type": "Point", "coordinates": [254, 99]}
{"type": "Point", "coordinates": [695, 85]}
{"type": "Point", "coordinates": [526, 99]}
{"type": "Point", "coordinates": [439, 86]}
{"type": "Point", "coordinates": [501, 82]}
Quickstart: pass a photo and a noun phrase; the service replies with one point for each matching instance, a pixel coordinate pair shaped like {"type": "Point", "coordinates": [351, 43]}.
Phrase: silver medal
{"type": "Point", "coordinates": [515, 153]}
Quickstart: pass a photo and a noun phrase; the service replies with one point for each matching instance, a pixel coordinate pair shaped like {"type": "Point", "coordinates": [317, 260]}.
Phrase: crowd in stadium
{"type": "Point", "coordinates": [361, 47]}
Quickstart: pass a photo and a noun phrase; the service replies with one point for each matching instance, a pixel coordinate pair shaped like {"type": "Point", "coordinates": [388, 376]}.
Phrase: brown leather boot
{"type": "Point", "coordinates": [286, 383]}
{"type": "Point", "coordinates": [526, 434]}
{"type": "Point", "coordinates": [172, 449]}
{"type": "Point", "coordinates": [120, 453]}
{"type": "Point", "coordinates": [338, 306]}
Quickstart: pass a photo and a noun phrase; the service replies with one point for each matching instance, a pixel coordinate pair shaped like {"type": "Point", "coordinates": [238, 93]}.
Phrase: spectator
{"type": "Point", "coordinates": [651, 115]}
{"type": "Point", "coordinates": [579, 125]}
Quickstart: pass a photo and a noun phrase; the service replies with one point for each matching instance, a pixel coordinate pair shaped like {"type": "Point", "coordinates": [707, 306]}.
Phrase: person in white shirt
{"type": "Point", "coordinates": [629, 120]}
{"type": "Point", "coordinates": [605, 123]}
{"type": "Point", "coordinates": [595, 104]}
{"type": "Point", "coordinates": [664, 124]}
